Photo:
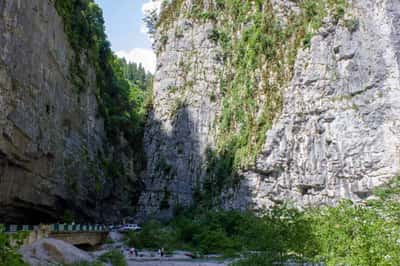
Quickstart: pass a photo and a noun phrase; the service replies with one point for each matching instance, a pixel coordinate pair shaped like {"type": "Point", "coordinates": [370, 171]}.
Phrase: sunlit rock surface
{"type": "Point", "coordinates": [338, 133]}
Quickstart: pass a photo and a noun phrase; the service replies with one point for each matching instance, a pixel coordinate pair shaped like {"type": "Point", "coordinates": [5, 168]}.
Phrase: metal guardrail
{"type": "Point", "coordinates": [11, 228]}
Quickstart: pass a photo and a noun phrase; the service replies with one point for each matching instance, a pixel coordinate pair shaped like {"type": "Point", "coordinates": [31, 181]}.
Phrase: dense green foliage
{"type": "Point", "coordinates": [121, 103]}
{"type": "Point", "coordinates": [8, 246]}
{"type": "Point", "coordinates": [136, 75]}
{"type": "Point", "coordinates": [356, 235]}
{"type": "Point", "coordinates": [229, 233]}
{"type": "Point", "coordinates": [347, 234]}
{"type": "Point", "coordinates": [114, 257]}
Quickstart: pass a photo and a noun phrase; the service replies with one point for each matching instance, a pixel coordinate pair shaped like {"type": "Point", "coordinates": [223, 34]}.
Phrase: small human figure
{"type": "Point", "coordinates": [132, 251]}
{"type": "Point", "coordinates": [159, 252]}
{"type": "Point", "coordinates": [136, 253]}
{"type": "Point", "coordinates": [162, 252]}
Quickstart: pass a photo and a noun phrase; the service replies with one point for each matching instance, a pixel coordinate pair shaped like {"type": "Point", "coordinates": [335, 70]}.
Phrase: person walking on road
{"type": "Point", "coordinates": [131, 251]}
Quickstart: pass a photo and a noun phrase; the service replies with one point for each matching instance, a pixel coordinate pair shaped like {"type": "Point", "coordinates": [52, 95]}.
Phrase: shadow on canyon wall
{"type": "Point", "coordinates": [184, 172]}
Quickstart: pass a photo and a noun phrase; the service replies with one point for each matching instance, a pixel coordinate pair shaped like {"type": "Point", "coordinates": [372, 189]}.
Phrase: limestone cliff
{"type": "Point", "coordinates": [179, 128]}
{"type": "Point", "coordinates": [338, 134]}
{"type": "Point", "coordinates": [278, 100]}
{"type": "Point", "coordinates": [53, 146]}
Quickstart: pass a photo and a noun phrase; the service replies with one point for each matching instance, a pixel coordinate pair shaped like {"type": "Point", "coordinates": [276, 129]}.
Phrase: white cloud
{"type": "Point", "coordinates": [140, 55]}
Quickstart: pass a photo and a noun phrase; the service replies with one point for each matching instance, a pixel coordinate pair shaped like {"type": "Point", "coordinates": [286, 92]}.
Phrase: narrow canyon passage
{"type": "Point", "coordinates": [262, 131]}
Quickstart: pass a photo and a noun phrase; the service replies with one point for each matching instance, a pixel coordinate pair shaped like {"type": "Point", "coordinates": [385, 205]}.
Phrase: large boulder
{"type": "Point", "coordinates": [50, 251]}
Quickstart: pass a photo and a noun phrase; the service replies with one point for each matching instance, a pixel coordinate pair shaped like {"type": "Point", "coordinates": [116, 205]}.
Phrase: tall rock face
{"type": "Point", "coordinates": [52, 138]}
{"type": "Point", "coordinates": [336, 135]}
{"type": "Point", "coordinates": [180, 128]}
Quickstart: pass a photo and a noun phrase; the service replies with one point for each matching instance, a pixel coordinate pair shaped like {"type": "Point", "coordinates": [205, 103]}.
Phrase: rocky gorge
{"type": "Point", "coordinates": [254, 104]}
{"type": "Point", "coordinates": [268, 135]}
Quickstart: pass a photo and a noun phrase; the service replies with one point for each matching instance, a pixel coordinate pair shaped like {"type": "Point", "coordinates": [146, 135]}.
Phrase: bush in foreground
{"type": "Point", "coordinates": [114, 257]}
{"type": "Point", "coordinates": [347, 234]}
{"type": "Point", "coordinates": [8, 249]}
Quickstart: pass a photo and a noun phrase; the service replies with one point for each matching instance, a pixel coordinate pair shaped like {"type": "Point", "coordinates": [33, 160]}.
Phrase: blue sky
{"type": "Point", "coordinates": [125, 29]}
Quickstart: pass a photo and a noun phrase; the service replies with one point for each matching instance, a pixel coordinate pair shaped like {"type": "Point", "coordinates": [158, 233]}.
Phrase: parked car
{"type": "Point", "coordinates": [129, 227]}
{"type": "Point", "coordinates": [114, 227]}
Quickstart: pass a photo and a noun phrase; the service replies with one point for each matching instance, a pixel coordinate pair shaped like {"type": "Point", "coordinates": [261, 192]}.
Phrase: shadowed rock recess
{"type": "Point", "coordinates": [53, 145]}
{"type": "Point", "coordinates": [336, 134]}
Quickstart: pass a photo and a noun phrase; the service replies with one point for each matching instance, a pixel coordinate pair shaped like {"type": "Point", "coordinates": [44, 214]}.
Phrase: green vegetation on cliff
{"type": "Point", "coordinates": [259, 49]}
{"type": "Point", "coordinates": [121, 102]}
{"type": "Point", "coordinates": [259, 65]}
{"type": "Point", "coordinates": [123, 93]}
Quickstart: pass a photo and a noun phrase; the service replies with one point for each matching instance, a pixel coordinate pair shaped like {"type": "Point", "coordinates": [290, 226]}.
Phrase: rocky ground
{"type": "Point", "coordinates": [178, 258]}
{"type": "Point", "coordinates": [150, 258]}
{"type": "Point", "coordinates": [46, 252]}
{"type": "Point", "coordinates": [173, 263]}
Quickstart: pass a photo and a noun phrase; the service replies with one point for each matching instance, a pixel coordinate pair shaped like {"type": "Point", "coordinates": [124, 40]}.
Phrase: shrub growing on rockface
{"type": "Point", "coordinates": [121, 103]}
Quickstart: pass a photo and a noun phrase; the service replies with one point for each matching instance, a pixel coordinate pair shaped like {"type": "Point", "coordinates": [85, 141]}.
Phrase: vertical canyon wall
{"type": "Point", "coordinates": [52, 139]}
{"type": "Point", "coordinates": [336, 135]}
